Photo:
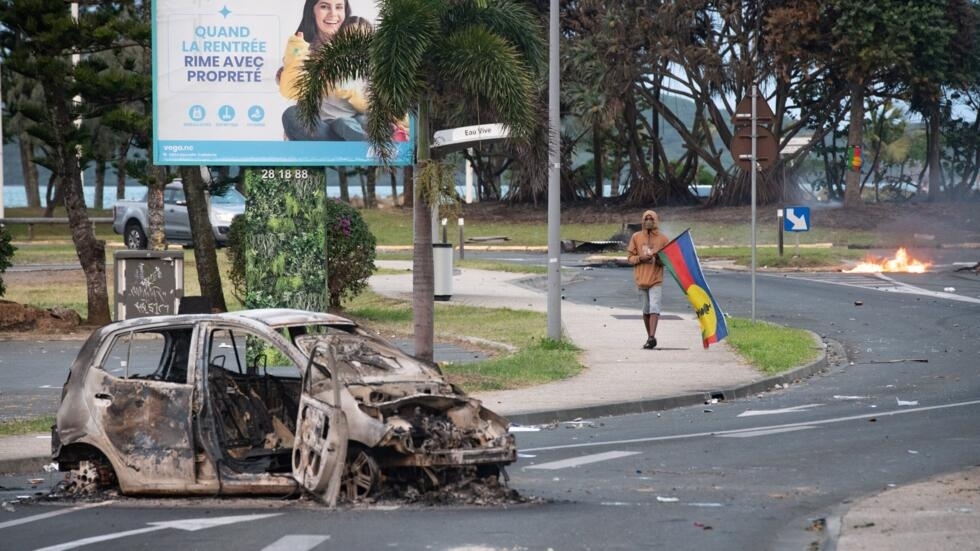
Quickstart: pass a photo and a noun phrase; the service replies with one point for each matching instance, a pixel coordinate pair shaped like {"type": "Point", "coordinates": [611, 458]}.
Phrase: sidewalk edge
{"type": "Point", "coordinates": [678, 401]}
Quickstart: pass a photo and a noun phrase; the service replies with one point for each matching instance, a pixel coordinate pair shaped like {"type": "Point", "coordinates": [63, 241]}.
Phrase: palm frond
{"type": "Point", "coordinates": [483, 63]}
{"type": "Point", "coordinates": [405, 33]}
{"type": "Point", "coordinates": [511, 20]}
{"type": "Point", "coordinates": [345, 57]}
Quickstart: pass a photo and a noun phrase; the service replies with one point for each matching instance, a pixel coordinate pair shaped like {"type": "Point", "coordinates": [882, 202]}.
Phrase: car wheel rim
{"type": "Point", "coordinates": [361, 476]}
{"type": "Point", "coordinates": [134, 239]}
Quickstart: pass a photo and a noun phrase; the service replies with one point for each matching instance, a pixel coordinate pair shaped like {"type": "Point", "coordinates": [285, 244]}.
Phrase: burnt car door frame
{"type": "Point", "coordinates": [322, 436]}
{"type": "Point", "coordinates": [147, 421]}
{"type": "Point", "coordinates": [319, 446]}
{"type": "Point", "coordinates": [226, 406]}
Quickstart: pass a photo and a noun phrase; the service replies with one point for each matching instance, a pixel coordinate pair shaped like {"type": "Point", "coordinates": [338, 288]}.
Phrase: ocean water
{"type": "Point", "coordinates": [14, 196]}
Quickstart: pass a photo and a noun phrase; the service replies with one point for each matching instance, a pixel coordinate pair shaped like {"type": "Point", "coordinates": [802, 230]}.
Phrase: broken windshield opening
{"type": "Point", "coordinates": [358, 358]}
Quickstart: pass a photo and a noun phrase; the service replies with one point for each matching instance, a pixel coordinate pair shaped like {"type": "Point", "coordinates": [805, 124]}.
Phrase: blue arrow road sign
{"type": "Point", "coordinates": [797, 219]}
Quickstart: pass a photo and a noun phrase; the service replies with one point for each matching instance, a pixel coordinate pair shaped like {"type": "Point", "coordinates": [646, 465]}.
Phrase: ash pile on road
{"type": "Point", "coordinates": [460, 487]}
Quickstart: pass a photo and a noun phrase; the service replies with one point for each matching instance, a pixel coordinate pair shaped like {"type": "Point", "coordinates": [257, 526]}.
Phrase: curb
{"type": "Point", "coordinates": [23, 465]}
{"type": "Point", "coordinates": [672, 402]}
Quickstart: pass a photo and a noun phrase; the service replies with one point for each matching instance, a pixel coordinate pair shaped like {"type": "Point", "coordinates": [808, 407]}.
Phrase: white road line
{"type": "Point", "coordinates": [99, 539]}
{"type": "Point", "coordinates": [904, 411]}
{"type": "Point", "coordinates": [878, 282]}
{"type": "Point", "coordinates": [794, 409]}
{"type": "Point", "coordinates": [296, 542]}
{"type": "Point", "coordinates": [189, 525]}
{"type": "Point", "coordinates": [764, 432]}
{"type": "Point", "coordinates": [584, 460]}
{"type": "Point", "coordinates": [52, 514]}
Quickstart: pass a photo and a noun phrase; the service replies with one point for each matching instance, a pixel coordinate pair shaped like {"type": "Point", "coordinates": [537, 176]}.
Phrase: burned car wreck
{"type": "Point", "coordinates": [266, 401]}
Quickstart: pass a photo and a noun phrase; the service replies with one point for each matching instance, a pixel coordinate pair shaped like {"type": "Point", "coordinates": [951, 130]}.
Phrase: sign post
{"type": "Point", "coordinates": [797, 220]}
{"type": "Point", "coordinates": [753, 148]}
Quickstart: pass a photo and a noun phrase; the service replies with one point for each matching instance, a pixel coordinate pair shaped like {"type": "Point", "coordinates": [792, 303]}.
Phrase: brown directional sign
{"type": "Point", "coordinates": [767, 150]}
{"type": "Point", "coordinates": [743, 111]}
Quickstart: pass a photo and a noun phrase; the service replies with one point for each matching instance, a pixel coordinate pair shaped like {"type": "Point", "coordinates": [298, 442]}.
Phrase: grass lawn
{"type": "Point", "coordinates": [770, 348]}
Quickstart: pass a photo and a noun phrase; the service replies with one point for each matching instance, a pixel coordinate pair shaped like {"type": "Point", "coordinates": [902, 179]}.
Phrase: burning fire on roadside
{"type": "Point", "coordinates": [901, 262]}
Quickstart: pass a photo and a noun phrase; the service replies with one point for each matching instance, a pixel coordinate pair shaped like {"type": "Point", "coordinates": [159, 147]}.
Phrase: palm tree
{"type": "Point", "coordinates": [490, 53]}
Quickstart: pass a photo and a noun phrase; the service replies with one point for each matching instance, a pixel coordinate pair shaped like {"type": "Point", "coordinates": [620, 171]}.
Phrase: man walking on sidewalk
{"type": "Point", "coordinates": [648, 271]}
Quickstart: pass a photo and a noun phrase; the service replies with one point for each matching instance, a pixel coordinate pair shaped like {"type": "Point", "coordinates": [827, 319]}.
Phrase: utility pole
{"type": "Point", "coordinates": [554, 180]}
{"type": "Point", "coordinates": [2, 215]}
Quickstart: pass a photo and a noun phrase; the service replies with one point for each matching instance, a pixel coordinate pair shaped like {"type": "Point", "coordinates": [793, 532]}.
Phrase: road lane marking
{"type": "Point", "coordinates": [875, 282]}
{"type": "Point", "coordinates": [904, 411]}
{"type": "Point", "coordinates": [583, 460]}
{"type": "Point", "coordinates": [190, 525]}
{"type": "Point", "coordinates": [794, 409]}
{"type": "Point", "coordinates": [52, 514]}
{"type": "Point", "coordinates": [764, 432]}
{"type": "Point", "coordinates": [296, 542]}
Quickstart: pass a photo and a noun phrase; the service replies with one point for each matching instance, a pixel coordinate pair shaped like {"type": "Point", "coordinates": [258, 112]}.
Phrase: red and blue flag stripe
{"type": "Point", "coordinates": [681, 259]}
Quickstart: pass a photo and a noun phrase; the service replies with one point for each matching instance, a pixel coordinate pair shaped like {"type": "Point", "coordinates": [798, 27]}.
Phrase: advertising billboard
{"type": "Point", "coordinates": [224, 85]}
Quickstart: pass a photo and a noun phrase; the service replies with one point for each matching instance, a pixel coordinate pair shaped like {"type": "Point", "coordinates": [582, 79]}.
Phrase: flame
{"type": "Point", "coordinates": [901, 262]}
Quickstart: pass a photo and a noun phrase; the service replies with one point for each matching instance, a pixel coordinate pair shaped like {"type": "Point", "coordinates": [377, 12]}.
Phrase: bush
{"type": "Point", "coordinates": [350, 252]}
{"type": "Point", "coordinates": [6, 253]}
{"type": "Point", "coordinates": [350, 258]}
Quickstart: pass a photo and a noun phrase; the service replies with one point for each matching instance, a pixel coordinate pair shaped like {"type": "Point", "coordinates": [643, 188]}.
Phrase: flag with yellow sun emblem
{"type": "Point", "coordinates": [681, 259]}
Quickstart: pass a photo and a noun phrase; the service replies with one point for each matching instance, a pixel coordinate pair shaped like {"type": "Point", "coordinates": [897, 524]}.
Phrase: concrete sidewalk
{"type": "Point", "coordinates": [620, 377]}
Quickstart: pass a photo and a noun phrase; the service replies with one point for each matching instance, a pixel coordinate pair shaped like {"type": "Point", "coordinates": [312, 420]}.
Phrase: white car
{"type": "Point", "coordinates": [130, 218]}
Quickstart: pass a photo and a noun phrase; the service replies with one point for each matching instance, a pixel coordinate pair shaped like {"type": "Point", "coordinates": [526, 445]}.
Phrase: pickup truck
{"type": "Point", "coordinates": [129, 218]}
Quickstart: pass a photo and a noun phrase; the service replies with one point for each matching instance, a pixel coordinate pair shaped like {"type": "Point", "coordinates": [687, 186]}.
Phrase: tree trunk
{"type": "Point", "coordinates": [852, 178]}
{"type": "Point", "coordinates": [597, 157]}
{"type": "Point", "coordinates": [121, 155]}
{"type": "Point", "coordinates": [934, 146]}
{"type": "Point", "coordinates": [29, 169]}
{"type": "Point", "coordinates": [423, 281]}
{"type": "Point", "coordinates": [54, 196]}
{"type": "Point", "coordinates": [205, 253]}
{"type": "Point", "coordinates": [97, 201]}
{"type": "Point", "coordinates": [408, 186]}
{"type": "Point", "coordinates": [91, 251]}
{"type": "Point", "coordinates": [156, 234]}
{"type": "Point", "coordinates": [394, 187]}
{"type": "Point", "coordinates": [371, 197]}
{"type": "Point", "coordinates": [362, 182]}
{"type": "Point", "coordinates": [344, 189]}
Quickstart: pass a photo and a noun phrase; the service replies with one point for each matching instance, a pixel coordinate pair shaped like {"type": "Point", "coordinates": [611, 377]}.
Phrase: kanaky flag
{"type": "Point", "coordinates": [681, 259]}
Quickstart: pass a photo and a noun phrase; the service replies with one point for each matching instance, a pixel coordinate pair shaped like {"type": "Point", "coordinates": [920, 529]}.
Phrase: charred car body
{"type": "Point", "coordinates": [263, 402]}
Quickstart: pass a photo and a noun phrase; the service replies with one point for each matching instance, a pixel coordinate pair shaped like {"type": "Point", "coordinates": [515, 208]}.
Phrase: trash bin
{"type": "Point", "coordinates": [148, 283]}
{"type": "Point", "coordinates": [442, 260]}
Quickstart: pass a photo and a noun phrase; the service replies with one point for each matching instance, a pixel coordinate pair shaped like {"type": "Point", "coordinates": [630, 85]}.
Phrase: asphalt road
{"type": "Point", "coordinates": [745, 474]}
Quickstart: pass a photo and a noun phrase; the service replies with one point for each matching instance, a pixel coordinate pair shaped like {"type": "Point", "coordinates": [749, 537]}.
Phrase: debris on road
{"type": "Point", "coordinates": [579, 423]}
{"type": "Point", "coordinates": [523, 428]}
{"type": "Point", "coordinates": [702, 526]}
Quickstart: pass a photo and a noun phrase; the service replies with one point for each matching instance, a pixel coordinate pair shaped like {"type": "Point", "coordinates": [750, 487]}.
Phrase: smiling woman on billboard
{"type": "Point", "coordinates": [344, 106]}
{"type": "Point", "coordinates": [224, 85]}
